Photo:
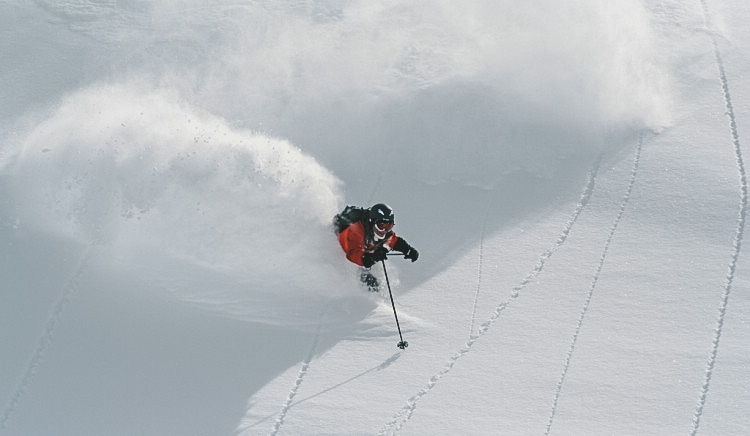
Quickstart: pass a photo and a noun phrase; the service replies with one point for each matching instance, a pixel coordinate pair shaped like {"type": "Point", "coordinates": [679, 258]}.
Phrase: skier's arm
{"type": "Point", "coordinates": [404, 247]}
{"type": "Point", "coordinates": [352, 242]}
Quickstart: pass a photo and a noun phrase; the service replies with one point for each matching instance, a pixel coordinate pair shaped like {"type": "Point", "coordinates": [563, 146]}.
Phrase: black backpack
{"type": "Point", "coordinates": [347, 217]}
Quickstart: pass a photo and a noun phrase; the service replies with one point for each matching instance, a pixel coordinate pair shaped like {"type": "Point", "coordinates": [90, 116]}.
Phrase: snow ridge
{"type": "Point", "coordinates": [741, 220]}
{"type": "Point", "coordinates": [595, 280]}
{"type": "Point", "coordinates": [71, 286]}
{"type": "Point", "coordinates": [403, 416]}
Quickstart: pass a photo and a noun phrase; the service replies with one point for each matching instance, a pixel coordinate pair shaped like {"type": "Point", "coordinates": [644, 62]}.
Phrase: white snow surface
{"type": "Point", "coordinates": [574, 175]}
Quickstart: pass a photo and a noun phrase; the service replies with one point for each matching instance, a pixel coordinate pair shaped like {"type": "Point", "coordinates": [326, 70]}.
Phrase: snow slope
{"type": "Point", "coordinates": [574, 177]}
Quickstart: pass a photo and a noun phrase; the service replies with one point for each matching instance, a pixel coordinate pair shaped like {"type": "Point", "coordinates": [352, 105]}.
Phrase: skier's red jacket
{"type": "Point", "coordinates": [355, 244]}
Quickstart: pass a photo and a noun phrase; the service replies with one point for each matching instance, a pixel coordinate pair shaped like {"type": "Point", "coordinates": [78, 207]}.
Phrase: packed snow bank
{"type": "Point", "coordinates": [219, 216]}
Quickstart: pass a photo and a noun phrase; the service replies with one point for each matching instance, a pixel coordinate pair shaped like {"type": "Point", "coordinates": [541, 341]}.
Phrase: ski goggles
{"type": "Point", "coordinates": [383, 226]}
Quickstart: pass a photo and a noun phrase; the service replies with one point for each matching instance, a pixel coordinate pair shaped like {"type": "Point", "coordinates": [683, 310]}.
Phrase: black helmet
{"type": "Point", "coordinates": [381, 213]}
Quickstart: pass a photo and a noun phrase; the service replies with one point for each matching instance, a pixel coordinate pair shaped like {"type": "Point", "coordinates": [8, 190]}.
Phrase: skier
{"type": "Point", "coordinates": [368, 240]}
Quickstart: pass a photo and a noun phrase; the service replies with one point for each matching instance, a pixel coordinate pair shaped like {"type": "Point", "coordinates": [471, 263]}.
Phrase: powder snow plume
{"type": "Point", "coordinates": [162, 187]}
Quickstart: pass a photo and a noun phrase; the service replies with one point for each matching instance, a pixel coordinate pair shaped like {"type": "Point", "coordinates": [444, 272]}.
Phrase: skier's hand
{"type": "Point", "coordinates": [370, 259]}
{"type": "Point", "coordinates": [411, 254]}
{"type": "Point", "coordinates": [367, 260]}
{"type": "Point", "coordinates": [380, 254]}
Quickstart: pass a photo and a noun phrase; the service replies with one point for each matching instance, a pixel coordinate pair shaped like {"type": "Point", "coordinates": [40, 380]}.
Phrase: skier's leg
{"type": "Point", "coordinates": [369, 280]}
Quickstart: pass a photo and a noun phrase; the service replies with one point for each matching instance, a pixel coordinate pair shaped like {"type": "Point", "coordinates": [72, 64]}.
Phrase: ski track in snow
{"type": "Point", "coordinates": [741, 219]}
{"type": "Point", "coordinates": [480, 264]}
{"type": "Point", "coordinates": [403, 416]}
{"type": "Point", "coordinates": [71, 286]}
{"type": "Point", "coordinates": [308, 360]}
{"type": "Point", "coordinates": [595, 280]}
{"type": "Point", "coordinates": [300, 378]}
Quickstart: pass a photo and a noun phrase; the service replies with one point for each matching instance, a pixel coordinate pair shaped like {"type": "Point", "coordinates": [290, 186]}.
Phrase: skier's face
{"type": "Point", "coordinates": [380, 229]}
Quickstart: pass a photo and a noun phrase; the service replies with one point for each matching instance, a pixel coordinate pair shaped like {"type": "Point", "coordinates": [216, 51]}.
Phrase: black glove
{"type": "Point", "coordinates": [370, 259]}
{"type": "Point", "coordinates": [380, 254]}
{"type": "Point", "coordinates": [412, 254]}
{"type": "Point", "coordinates": [404, 247]}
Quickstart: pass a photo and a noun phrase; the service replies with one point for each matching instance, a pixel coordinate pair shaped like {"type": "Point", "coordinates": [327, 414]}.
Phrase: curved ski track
{"type": "Point", "coordinates": [741, 220]}
{"type": "Point", "coordinates": [403, 416]}
{"type": "Point", "coordinates": [595, 280]}
{"type": "Point", "coordinates": [70, 287]}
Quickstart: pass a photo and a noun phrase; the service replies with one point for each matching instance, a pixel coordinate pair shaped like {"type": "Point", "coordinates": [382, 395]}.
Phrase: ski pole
{"type": "Point", "coordinates": [403, 344]}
